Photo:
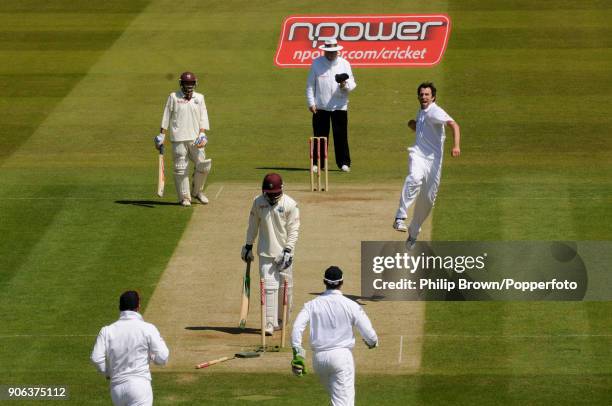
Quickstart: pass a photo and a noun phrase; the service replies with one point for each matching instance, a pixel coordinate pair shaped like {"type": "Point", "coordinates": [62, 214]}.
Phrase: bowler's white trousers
{"type": "Point", "coordinates": [336, 370]}
{"type": "Point", "coordinates": [136, 391]}
{"type": "Point", "coordinates": [420, 188]}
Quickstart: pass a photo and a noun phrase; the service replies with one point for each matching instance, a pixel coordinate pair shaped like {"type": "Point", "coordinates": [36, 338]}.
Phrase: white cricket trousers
{"type": "Point", "coordinates": [336, 370]}
{"type": "Point", "coordinates": [136, 391]}
{"type": "Point", "coordinates": [420, 188]}
{"type": "Point", "coordinates": [183, 151]}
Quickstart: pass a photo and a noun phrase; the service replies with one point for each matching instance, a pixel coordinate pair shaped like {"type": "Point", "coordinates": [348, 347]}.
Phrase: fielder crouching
{"type": "Point", "coordinates": [276, 218]}
{"type": "Point", "coordinates": [332, 317]}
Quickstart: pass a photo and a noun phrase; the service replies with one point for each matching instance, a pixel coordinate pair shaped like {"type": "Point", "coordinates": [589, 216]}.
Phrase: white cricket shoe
{"type": "Point", "coordinates": [186, 203]}
{"type": "Point", "coordinates": [200, 197]}
{"type": "Point", "coordinates": [410, 242]}
{"type": "Point", "coordinates": [345, 168]}
{"type": "Point", "coordinates": [400, 225]}
{"type": "Point", "coordinates": [315, 169]}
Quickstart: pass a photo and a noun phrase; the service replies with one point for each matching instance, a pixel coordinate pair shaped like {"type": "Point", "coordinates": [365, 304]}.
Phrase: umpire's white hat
{"type": "Point", "coordinates": [331, 45]}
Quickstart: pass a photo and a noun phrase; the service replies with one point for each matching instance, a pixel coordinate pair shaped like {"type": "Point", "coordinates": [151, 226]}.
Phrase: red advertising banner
{"type": "Point", "coordinates": [368, 41]}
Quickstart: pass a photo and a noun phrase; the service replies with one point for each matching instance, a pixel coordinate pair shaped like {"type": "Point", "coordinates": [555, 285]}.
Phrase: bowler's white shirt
{"type": "Point", "coordinates": [277, 225]}
{"type": "Point", "coordinates": [185, 117]}
{"type": "Point", "coordinates": [322, 90]}
{"type": "Point", "coordinates": [124, 348]}
{"type": "Point", "coordinates": [430, 132]}
{"type": "Point", "coordinates": [332, 317]}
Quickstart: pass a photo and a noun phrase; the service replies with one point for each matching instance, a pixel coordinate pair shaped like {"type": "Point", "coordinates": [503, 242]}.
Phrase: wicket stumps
{"type": "Point", "coordinates": [262, 292]}
{"type": "Point", "coordinates": [318, 141]}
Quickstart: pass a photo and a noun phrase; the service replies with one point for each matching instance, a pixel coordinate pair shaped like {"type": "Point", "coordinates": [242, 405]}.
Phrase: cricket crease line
{"type": "Point", "coordinates": [219, 192]}
{"type": "Point", "coordinates": [401, 348]}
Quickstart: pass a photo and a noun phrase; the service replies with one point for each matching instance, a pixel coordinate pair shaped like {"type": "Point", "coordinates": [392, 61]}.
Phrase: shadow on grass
{"type": "Point", "coordinates": [146, 203]}
{"type": "Point", "coordinates": [291, 169]}
{"type": "Point", "coordinates": [229, 330]}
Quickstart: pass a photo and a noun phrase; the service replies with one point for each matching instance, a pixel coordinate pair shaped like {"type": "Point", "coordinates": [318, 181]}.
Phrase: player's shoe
{"type": "Point", "coordinates": [200, 197]}
{"type": "Point", "coordinates": [410, 242]}
{"type": "Point", "coordinates": [186, 203]}
{"type": "Point", "coordinates": [269, 329]}
{"type": "Point", "coordinates": [400, 225]}
{"type": "Point", "coordinates": [345, 168]}
{"type": "Point", "coordinates": [315, 169]}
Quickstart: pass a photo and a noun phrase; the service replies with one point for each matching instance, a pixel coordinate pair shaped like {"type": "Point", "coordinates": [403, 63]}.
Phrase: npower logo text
{"type": "Point", "coordinates": [368, 41]}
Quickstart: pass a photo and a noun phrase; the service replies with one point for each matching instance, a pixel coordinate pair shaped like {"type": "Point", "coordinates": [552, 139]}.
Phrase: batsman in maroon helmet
{"type": "Point", "coordinates": [186, 116]}
{"type": "Point", "coordinates": [276, 218]}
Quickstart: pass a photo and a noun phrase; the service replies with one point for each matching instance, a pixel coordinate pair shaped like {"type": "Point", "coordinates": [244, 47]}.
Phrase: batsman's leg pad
{"type": "Point", "coordinates": [181, 179]}
{"type": "Point", "coordinates": [269, 272]}
{"type": "Point", "coordinates": [200, 175]}
{"type": "Point", "coordinates": [272, 307]}
{"type": "Point", "coordinates": [289, 276]}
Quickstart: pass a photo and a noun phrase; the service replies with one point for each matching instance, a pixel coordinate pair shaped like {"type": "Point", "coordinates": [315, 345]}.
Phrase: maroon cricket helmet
{"type": "Point", "coordinates": [272, 183]}
{"type": "Point", "coordinates": [188, 81]}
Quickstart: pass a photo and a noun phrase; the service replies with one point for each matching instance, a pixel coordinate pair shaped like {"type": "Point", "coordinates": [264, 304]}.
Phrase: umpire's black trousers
{"type": "Point", "coordinates": [339, 123]}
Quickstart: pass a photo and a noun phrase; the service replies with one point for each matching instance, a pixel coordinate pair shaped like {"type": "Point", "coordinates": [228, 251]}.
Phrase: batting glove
{"type": "Point", "coordinates": [247, 253]}
{"type": "Point", "coordinates": [284, 260]}
{"type": "Point", "coordinates": [159, 140]}
{"type": "Point", "coordinates": [298, 364]}
{"type": "Point", "coordinates": [370, 346]}
{"type": "Point", "coordinates": [201, 138]}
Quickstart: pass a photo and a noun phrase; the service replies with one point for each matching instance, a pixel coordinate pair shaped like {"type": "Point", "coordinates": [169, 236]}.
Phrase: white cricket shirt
{"type": "Point", "coordinates": [322, 90]}
{"type": "Point", "coordinates": [430, 132]}
{"type": "Point", "coordinates": [185, 117]}
{"type": "Point", "coordinates": [277, 225]}
{"type": "Point", "coordinates": [332, 317]}
{"type": "Point", "coordinates": [124, 348]}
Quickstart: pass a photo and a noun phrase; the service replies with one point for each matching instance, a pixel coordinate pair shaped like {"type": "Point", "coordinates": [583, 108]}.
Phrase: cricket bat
{"type": "Point", "coordinates": [161, 177]}
{"type": "Point", "coordinates": [213, 362]}
{"type": "Point", "coordinates": [246, 294]}
{"type": "Point", "coordinates": [245, 354]}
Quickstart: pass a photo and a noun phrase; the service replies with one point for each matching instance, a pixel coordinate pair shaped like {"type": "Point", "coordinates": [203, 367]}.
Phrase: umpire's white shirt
{"type": "Point", "coordinates": [429, 142]}
{"type": "Point", "coordinates": [277, 225]}
{"type": "Point", "coordinates": [332, 317]}
{"type": "Point", "coordinates": [185, 117]}
{"type": "Point", "coordinates": [123, 349]}
{"type": "Point", "coordinates": [322, 90]}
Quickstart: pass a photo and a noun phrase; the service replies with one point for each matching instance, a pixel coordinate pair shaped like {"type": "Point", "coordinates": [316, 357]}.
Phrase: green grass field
{"type": "Point", "coordinates": [82, 89]}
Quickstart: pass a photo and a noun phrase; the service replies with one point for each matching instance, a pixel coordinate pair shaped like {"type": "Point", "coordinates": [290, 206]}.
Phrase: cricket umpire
{"type": "Point", "coordinates": [332, 318]}
{"type": "Point", "coordinates": [425, 161]}
{"type": "Point", "coordinates": [329, 83]}
{"type": "Point", "coordinates": [275, 216]}
{"type": "Point", "coordinates": [122, 353]}
{"type": "Point", "coordinates": [185, 113]}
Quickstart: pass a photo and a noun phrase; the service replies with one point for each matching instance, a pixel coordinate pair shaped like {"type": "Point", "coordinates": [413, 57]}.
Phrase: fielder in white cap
{"type": "Point", "coordinates": [332, 318]}
{"type": "Point", "coordinates": [329, 83]}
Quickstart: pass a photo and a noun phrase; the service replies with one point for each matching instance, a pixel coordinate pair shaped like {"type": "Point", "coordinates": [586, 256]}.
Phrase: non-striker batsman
{"type": "Point", "coordinates": [276, 218]}
{"type": "Point", "coordinates": [186, 115]}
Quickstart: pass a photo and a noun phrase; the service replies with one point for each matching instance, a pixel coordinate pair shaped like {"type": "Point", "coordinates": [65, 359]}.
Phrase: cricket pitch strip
{"type": "Point", "coordinates": [196, 304]}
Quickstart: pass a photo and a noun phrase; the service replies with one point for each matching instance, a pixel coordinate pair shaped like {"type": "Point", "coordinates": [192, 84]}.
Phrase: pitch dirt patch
{"type": "Point", "coordinates": [197, 301]}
